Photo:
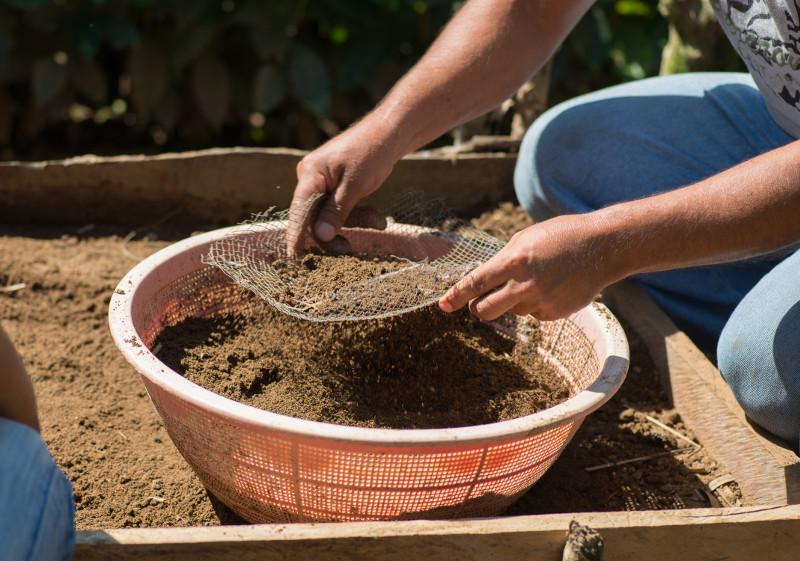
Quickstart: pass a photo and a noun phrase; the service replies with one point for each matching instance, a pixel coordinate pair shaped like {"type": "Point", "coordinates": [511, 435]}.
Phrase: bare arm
{"type": "Point", "coordinates": [483, 55]}
{"type": "Point", "coordinates": [17, 401]}
{"type": "Point", "coordinates": [554, 268]}
{"type": "Point", "coordinates": [488, 49]}
{"type": "Point", "coordinates": [748, 210]}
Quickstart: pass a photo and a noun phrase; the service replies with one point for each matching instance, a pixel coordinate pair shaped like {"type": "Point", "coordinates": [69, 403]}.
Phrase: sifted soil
{"type": "Point", "coordinates": [425, 369]}
{"type": "Point", "coordinates": [103, 431]}
{"type": "Point", "coordinates": [338, 285]}
{"type": "Point", "coordinates": [319, 274]}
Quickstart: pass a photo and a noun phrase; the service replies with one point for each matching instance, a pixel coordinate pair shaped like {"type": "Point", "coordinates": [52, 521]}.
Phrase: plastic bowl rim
{"type": "Point", "coordinates": [576, 408]}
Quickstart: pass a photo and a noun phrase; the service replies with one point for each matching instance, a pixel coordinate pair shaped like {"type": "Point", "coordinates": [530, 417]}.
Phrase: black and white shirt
{"type": "Point", "coordinates": [766, 34]}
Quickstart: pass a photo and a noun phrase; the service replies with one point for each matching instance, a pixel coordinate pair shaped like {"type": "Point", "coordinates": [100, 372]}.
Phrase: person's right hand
{"type": "Point", "coordinates": [347, 168]}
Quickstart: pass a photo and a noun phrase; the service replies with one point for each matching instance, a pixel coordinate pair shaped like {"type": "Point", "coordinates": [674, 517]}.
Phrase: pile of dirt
{"type": "Point", "coordinates": [334, 286]}
{"type": "Point", "coordinates": [319, 274]}
{"type": "Point", "coordinates": [504, 221]}
{"type": "Point", "coordinates": [103, 431]}
{"type": "Point", "coordinates": [424, 369]}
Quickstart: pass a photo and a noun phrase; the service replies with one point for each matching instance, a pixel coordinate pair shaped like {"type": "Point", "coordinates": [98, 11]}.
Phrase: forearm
{"type": "Point", "coordinates": [481, 57]}
{"type": "Point", "coordinates": [17, 401]}
{"type": "Point", "coordinates": [746, 211]}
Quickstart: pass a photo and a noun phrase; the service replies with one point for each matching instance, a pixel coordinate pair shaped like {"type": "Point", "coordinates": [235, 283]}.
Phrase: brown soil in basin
{"type": "Point", "coordinates": [424, 369]}
{"type": "Point", "coordinates": [103, 431]}
{"type": "Point", "coordinates": [315, 275]}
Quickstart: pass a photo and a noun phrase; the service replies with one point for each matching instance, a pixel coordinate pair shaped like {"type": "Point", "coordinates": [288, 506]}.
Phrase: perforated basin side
{"type": "Point", "coordinates": [270, 467]}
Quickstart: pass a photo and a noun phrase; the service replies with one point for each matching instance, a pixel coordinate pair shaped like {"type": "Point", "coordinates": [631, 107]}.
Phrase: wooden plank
{"type": "Point", "coordinates": [219, 185]}
{"type": "Point", "coordinates": [766, 471]}
{"type": "Point", "coordinates": [736, 534]}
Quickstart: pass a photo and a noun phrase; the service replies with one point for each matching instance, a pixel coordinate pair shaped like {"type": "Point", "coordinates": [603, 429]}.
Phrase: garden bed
{"type": "Point", "coordinates": [102, 429]}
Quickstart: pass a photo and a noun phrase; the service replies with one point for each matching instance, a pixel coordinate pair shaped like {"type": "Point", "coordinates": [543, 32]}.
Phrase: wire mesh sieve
{"type": "Point", "coordinates": [388, 264]}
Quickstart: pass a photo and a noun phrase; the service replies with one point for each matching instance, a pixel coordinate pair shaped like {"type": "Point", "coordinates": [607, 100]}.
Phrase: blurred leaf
{"type": "Point", "coordinates": [25, 4]}
{"type": "Point", "coordinates": [192, 43]}
{"type": "Point", "coordinates": [339, 34]}
{"type": "Point", "coordinates": [8, 108]}
{"type": "Point", "coordinates": [89, 30]}
{"type": "Point", "coordinates": [187, 12]}
{"type": "Point", "coordinates": [120, 33]}
{"type": "Point", "coordinates": [167, 112]}
{"type": "Point", "coordinates": [635, 54]}
{"type": "Point", "coordinates": [633, 8]}
{"type": "Point", "coordinates": [309, 79]}
{"type": "Point", "coordinates": [47, 79]}
{"type": "Point", "coordinates": [241, 97]}
{"type": "Point", "coordinates": [270, 24]}
{"type": "Point", "coordinates": [89, 80]}
{"type": "Point", "coordinates": [32, 121]}
{"type": "Point", "coordinates": [269, 89]}
{"type": "Point", "coordinates": [273, 15]}
{"type": "Point", "coordinates": [357, 61]}
{"type": "Point", "coordinates": [6, 42]}
{"type": "Point", "coordinates": [149, 77]}
{"type": "Point", "coordinates": [591, 38]}
{"type": "Point", "coordinates": [43, 19]}
{"type": "Point", "coordinates": [211, 88]}
{"type": "Point", "coordinates": [602, 25]}
{"type": "Point", "coordinates": [268, 44]}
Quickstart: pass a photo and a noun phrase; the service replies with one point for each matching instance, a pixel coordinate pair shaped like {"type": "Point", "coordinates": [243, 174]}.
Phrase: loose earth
{"type": "Point", "coordinates": [423, 369]}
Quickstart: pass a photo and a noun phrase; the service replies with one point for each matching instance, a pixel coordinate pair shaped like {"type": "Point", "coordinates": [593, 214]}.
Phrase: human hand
{"type": "Point", "coordinates": [345, 170]}
{"type": "Point", "coordinates": [548, 270]}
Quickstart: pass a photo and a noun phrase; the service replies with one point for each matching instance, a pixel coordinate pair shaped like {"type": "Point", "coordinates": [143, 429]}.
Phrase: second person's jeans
{"type": "Point", "coordinates": [36, 506]}
{"type": "Point", "coordinates": [646, 137]}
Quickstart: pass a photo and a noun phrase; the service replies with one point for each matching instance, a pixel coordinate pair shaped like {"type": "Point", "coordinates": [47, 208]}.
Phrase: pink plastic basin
{"type": "Point", "coordinates": [270, 467]}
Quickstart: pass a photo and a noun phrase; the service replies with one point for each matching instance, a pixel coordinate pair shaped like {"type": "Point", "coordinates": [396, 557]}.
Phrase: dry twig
{"type": "Point", "coordinates": [672, 431]}
{"type": "Point", "coordinates": [12, 287]}
{"type": "Point", "coordinates": [640, 459]}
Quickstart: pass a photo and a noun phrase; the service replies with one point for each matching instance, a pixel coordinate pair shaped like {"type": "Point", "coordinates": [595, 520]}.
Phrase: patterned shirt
{"type": "Point", "coordinates": [766, 34]}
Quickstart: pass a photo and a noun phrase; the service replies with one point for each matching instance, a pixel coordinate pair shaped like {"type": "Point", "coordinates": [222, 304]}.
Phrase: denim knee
{"type": "Point", "coordinates": [36, 505]}
{"type": "Point", "coordinates": [531, 168]}
{"type": "Point", "coordinates": [759, 352]}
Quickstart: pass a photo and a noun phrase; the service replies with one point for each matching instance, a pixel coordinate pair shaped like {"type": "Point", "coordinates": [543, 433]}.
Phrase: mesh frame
{"type": "Point", "coordinates": [268, 468]}
{"type": "Point", "coordinates": [437, 249]}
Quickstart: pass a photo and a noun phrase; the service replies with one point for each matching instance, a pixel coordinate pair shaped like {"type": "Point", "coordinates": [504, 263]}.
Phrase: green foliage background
{"type": "Point", "coordinates": [110, 76]}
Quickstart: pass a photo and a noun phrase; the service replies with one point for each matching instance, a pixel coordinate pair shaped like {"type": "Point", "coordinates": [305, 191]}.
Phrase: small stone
{"type": "Point", "coordinates": [627, 415]}
{"type": "Point", "coordinates": [583, 544]}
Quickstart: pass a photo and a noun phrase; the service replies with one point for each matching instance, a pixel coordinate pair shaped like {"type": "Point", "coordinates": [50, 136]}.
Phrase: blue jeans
{"type": "Point", "coordinates": [646, 137]}
{"type": "Point", "coordinates": [36, 507]}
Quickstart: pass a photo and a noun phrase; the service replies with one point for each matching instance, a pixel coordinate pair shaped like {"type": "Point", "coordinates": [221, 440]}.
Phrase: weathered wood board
{"type": "Point", "coordinates": [739, 534]}
{"type": "Point", "coordinates": [219, 185]}
{"type": "Point", "coordinates": [767, 472]}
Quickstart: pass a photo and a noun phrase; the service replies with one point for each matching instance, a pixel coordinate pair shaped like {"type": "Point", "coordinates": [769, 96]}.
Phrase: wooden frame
{"type": "Point", "coordinates": [739, 534]}
{"type": "Point", "coordinates": [191, 186]}
{"type": "Point", "coordinates": [220, 185]}
{"type": "Point", "coordinates": [767, 471]}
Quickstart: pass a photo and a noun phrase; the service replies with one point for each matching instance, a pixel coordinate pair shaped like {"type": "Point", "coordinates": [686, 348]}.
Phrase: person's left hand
{"type": "Point", "coordinates": [548, 270]}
